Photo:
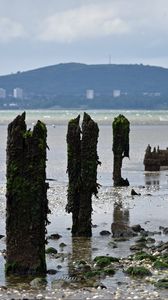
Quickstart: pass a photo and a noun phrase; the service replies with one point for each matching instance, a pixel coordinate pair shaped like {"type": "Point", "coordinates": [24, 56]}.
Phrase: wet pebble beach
{"type": "Point", "coordinates": [74, 258]}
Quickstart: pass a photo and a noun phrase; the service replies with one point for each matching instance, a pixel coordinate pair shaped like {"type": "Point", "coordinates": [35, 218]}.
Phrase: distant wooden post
{"type": "Point", "coordinates": [27, 204]}
{"type": "Point", "coordinates": [82, 172]}
{"type": "Point", "coordinates": [120, 148]}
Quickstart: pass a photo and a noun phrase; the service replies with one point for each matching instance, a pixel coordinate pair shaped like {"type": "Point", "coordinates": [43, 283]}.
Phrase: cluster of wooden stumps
{"type": "Point", "coordinates": [155, 159]}
{"type": "Point", "coordinates": [27, 204]}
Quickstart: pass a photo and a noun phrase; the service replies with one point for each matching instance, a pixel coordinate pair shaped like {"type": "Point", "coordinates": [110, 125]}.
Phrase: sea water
{"type": "Point", "coordinates": [149, 209]}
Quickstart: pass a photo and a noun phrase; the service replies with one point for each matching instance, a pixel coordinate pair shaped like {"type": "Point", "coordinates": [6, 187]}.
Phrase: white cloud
{"type": "Point", "coordinates": [83, 22]}
{"type": "Point", "coordinates": [10, 30]}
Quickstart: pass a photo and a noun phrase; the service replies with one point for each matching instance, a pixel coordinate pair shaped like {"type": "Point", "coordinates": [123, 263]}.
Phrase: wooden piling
{"type": "Point", "coordinates": [121, 130]}
{"type": "Point", "coordinates": [27, 204]}
{"type": "Point", "coordinates": [82, 173]}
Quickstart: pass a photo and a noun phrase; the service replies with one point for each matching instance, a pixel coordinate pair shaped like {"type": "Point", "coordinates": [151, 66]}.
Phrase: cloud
{"type": "Point", "coordinates": [10, 30]}
{"type": "Point", "coordinates": [89, 21]}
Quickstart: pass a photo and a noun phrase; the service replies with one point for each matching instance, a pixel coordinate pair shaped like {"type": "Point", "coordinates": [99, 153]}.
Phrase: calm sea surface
{"type": "Point", "coordinates": [146, 127]}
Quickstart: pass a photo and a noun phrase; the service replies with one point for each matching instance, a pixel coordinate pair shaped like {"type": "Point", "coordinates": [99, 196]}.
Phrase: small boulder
{"type": "Point", "coordinates": [137, 247]}
{"type": "Point", "coordinates": [55, 236]}
{"type": "Point", "coordinates": [134, 193]}
{"type": "Point", "coordinates": [137, 228]}
{"type": "Point", "coordinates": [62, 245]}
{"type": "Point", "coordinates": [51, 272]}
{"type": "Point", "coordinates": [38, 282]}
{"type": "Point", "coordinates": [105, 232]}
{"type": "Point", "coordinates": [165, 230]}
{"type": "Point", "coordinates": [51, 250]}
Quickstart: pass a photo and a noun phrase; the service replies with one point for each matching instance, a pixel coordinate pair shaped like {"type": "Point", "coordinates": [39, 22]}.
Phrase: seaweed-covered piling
{"type": "Point", "coordinates": [27, 204]}
{"type": "Point", "coordinates": [155, 159]}
{"type": "Point", "coordinates": [120, 148]}
{"type": "Point", "coordinates": [82, 172]}
{"type": "Point", "coordinates": [89, 163]}
{"type": "Point", "coordinates": [74, 171]}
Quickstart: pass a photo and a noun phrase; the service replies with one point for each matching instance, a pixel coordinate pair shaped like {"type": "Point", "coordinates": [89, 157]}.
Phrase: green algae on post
{"type": "Point", "coordinates": [27, 204]}
{"type": "Point", "coordinates": [121, 128]}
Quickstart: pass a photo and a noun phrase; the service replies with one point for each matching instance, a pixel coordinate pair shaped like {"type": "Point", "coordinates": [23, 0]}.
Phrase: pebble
{"type": "Point", "coordinates": [105, 232]}
{"type": "Point", "coordinates": [39, 296]}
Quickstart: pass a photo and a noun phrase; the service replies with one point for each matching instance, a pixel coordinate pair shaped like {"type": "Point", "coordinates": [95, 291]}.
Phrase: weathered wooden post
{"type": "Point", "coordinates": [121, 130]}
{"type": "Point", "coordinates": [74, 171]}
{"type": "Point", "coordinates": [27, 204]}
{"type": "Point", "coordinates": [82, 173]}
{"type": "Point", "coordinates": [89, 163]}
{"type": "Point", "coordinates": [153, 159]}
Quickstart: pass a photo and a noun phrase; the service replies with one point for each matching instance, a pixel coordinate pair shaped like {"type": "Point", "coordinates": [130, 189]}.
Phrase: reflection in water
{"type": "Point", "coordinates": [152, 180]}
{"type": "Point", "coordinates": [23, 282]}
{"type": "Point", "coordinates": [120, 214]}
{"type": "Point", "coordinates": [120, 226]}
{"type": "Point", "coordinates": [81, 252]}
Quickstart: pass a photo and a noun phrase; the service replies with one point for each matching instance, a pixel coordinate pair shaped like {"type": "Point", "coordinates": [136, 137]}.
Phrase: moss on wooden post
{"type": "Point", "coordinates": [82, 173]}
{"type": "Point", "coordinates": [27, 204]}
{"type": "Point", "coordinates": [121, 128]}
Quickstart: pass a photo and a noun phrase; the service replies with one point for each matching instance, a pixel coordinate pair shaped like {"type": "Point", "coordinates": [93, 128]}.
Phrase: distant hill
{"type": "Point", "coordinates": [114, 86]}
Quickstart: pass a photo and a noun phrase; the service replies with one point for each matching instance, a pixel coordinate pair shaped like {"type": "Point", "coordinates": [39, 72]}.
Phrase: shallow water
{"type": "Point", "coordinates": [149, 210]}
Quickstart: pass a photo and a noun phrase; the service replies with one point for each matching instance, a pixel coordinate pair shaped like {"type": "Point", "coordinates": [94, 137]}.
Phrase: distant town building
{"type": "Point", "coordinates": [89, 94]}
{"type": "Point", "coordinates": [116, 93]}
{"type": "Point", "coordinates": [2, 93]}
{"type": "Point", "coordinates": [152, 94]}
{"type": "Point", "coordinates": [18, 93]}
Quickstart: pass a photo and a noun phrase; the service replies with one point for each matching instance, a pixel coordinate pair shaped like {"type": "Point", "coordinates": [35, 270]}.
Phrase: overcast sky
{"type": "Point", "coordinates": [36, 33]}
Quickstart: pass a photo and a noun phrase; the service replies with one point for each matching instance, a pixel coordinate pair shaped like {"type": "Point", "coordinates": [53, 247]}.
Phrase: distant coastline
{"type": "Point", "coordinates": [76, 86]}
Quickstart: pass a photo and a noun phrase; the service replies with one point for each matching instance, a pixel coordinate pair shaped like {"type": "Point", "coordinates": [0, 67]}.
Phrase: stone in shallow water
{"type": "Point", "coordinates": [134, 193]}
{"type": "Point", "coordinates": [137, 247]}
{"type": "Point", "coordinates": [138, 271]}
{"type": "Point", "coordinates": [165, 230]}
{"type": "Point", "coordinates": [151, 240]}
{"type": "Point", "coordinates": [137, 228]}
{"type": "Point", "coordinates": [112, 245]}
{"type": "Point", "coordinates": [55, 236]}
{"type": "Point", "coordinates": [62, 245]}
{"type": "Point", "coordinates": [94, 225]}
{"type": "Point", "coordinates": [51, 250]}
{"type": "Point", "coordinates": [51, 272]}
{"type": "Point", "coordinates": [38, 282]}
{"type": "Point", "coordinates": [162, 283]}
{"type": "Point", "coordinates": [105, 232]}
